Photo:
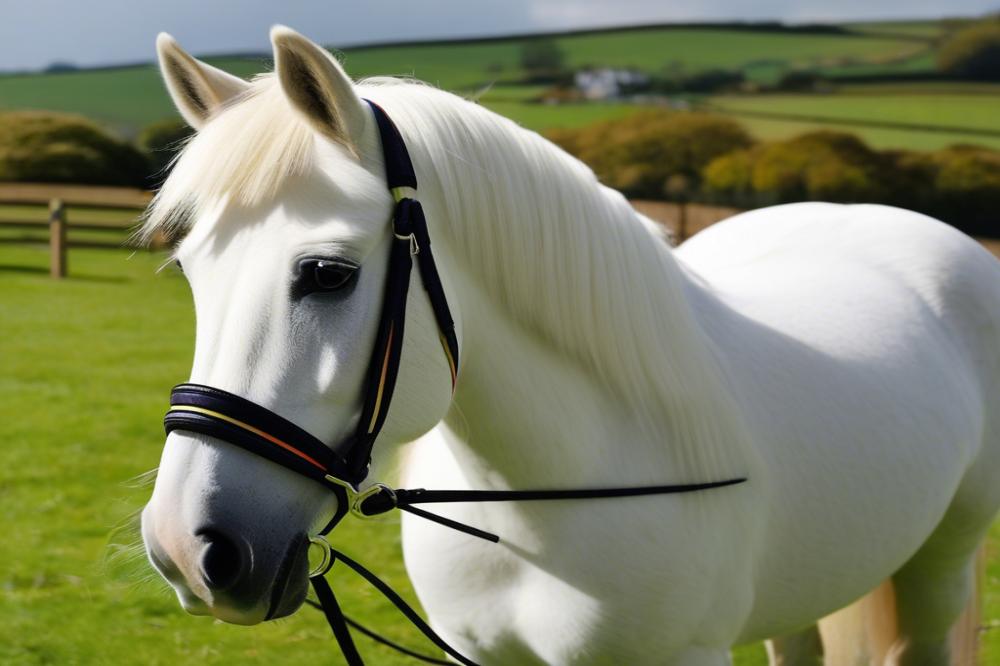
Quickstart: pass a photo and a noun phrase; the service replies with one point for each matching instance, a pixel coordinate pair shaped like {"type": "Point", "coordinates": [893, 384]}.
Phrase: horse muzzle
{"type": "Point", "coordinates": [230, 545]}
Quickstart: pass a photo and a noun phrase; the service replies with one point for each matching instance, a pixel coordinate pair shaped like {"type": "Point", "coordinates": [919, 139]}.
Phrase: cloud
{"type": "Point", "coordinates": [578, 13]}
{"type": "Point", "coordinates": [34, 34]}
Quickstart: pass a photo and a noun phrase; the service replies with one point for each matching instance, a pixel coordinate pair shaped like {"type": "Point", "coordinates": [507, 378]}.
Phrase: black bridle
{"type": "Point", "coordinates": [344, 467]}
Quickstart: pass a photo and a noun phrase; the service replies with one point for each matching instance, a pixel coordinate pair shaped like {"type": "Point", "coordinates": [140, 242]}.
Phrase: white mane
{"type": "Point", "coordinates": [569, 258]}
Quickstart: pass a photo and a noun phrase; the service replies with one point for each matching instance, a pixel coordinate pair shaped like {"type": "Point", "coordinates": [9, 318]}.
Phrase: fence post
{"type": "Point", "coordinates": [57, 239]}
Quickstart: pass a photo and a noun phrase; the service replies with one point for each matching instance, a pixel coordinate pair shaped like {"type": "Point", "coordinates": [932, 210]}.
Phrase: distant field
{"type": "Point", "coordinates": [129, 98]}
{"type": "Point", "coordinates": [876, 137]}
{"type": "Point", "coordinates": [871, 113]}
{"type": "Point", "coordinates": [919, 61]}
{"type": "Point", "coordinates": [703, 49]}
{"type": "Point", "coordinates": [125, 99]}
{"type": "Point", "coordinates": [918, 29]}
{"type": "Point", "coordinates": [887, 115]}
{"type": "Point", "coordinates": [540, 116]}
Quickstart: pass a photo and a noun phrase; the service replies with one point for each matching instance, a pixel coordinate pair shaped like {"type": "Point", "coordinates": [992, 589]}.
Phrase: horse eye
{"type": "Point", "coordinates": [322, 275]}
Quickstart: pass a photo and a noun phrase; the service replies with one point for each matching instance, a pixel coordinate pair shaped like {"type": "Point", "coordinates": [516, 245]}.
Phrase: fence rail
{"type": "Point", "coordinates": [93, 196]}
{"type": "Point", "coordinates": [683, 220]}
{"type": "Point", "coordinates": [60, 199]}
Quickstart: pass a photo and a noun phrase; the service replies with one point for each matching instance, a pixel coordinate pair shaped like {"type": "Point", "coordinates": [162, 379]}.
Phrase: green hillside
{"type": "Point", "coordinates": [652, 50]}
{"type": "Point", "coordinates": [905, 113]}
{"type": "Point", "coordinates": [128, 98]}
{"type": "Point", "coordinates": [918, 117]}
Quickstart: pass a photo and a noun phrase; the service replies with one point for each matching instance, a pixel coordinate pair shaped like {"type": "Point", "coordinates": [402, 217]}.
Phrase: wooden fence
{"type": "Point", "coordinates": [61, 201]}
{"type": "Point", "coordinates": [683, 220]}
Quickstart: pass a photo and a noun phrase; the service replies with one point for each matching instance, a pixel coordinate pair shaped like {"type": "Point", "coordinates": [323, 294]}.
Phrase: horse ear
{"type": "Point", "coordinates": [317, 86]}
{"type": "Point", "coordinates": [198, 90]}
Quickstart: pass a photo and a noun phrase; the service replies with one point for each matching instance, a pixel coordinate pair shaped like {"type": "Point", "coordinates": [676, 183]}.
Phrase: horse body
{"type": "Point", "coordinates": [843, 358]}
{"type": "Point", "coordinates": [863, 393]}
{"type": "Point", "coordinates": [867, 381]}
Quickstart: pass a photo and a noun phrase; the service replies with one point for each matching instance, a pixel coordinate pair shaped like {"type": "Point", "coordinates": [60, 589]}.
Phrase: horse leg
{"type": "Point", "coordinates": [932, 590]}
{"type": "Point", "coordinates": [803, 648]}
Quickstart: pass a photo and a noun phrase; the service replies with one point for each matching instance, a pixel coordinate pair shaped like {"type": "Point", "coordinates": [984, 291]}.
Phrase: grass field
{"type": "Point", "coordinates": [925, 119]}
{"type": "Point", "coordinates": [86, 368]}
{"type": "Point", "coordinates": [917, 29]}
{"type": "Point", "coordinates": [885, 115]}
{"type": "Point", "coordinates": [87, 365]}
{"type": "Point", "coordinates": [129, 98]}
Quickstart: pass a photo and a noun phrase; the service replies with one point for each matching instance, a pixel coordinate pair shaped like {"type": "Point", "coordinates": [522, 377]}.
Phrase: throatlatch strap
{"type": "Point", "coordinates": [435, 291]}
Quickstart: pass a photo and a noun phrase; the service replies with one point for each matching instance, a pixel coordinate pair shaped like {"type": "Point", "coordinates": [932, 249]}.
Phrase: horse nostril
{"type": "Point", "coordinates": [223, 560]}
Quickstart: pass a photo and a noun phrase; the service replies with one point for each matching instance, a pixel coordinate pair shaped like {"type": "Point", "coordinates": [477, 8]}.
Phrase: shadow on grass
{"type": "Point", "coordinates": [40, 271]}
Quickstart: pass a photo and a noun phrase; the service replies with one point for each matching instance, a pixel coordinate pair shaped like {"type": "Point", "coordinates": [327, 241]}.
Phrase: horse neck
{"type": "Point", "coordinates": [581, 342]}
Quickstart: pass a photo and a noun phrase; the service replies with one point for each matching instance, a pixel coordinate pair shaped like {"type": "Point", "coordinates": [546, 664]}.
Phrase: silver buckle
{"type": "Point", "coordinates": [356, 497]}
{"type": "Point", "coordinates": [375, 489]}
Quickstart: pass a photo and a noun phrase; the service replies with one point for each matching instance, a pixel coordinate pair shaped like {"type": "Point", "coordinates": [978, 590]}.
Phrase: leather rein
{"type": "Point", "coordinates": [344, 468]}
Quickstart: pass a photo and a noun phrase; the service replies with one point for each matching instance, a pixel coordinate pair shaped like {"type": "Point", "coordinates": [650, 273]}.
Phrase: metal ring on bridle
{"type": "Point", "coordinates": [327, 561]}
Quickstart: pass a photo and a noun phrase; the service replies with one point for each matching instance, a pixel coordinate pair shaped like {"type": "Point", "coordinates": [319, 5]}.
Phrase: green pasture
{"type": "Point", "coordinates": [125, 99]}
{"type": "Point", "coordinates": [918, 60]}
{"type": "Point", "coordinates": [86, 368]}
{"type": "Point", "coordinates": [925, 118]}
{"type": "Point", "coordinates": [129, 98]}
{"type": "Point", "coordinates": [87, 364]}
{"type": "Point", "coordinates": [700, 49]}
{"type": "Point", "coordinates": [540, 117]}
{"type": "Point", "coordinates": [928, 30]}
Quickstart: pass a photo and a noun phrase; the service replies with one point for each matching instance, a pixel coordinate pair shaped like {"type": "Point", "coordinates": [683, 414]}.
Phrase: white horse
{"type": "Point", "coordinates": [844, 358]}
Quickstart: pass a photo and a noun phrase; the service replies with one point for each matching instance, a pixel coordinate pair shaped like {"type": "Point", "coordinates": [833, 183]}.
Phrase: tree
{"type": "Point", "coordinates": [731, 175]}
{"type": "Point", "coordinates": [640, 154]}
{"type": "Point", "coordinates": [161, 142]}
{"type": "Point", "coordinates": [541, 58]}
{"type": "Point", "coordinates": [967, 188]}
{"type": "Point", "coordinates": [49, 147]}
{"type": "Point", "coordinates": [829, 166]}
{"type": "Point", "coordinates": [973, 53]}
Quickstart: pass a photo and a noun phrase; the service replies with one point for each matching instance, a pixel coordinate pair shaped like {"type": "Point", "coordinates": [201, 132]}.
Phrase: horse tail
{"type": "Point", "coordinates": [864, 633]}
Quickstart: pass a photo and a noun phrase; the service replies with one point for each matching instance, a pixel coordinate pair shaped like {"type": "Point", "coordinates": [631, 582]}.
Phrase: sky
{"type": "Point", "coordinates": [36, 33]}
